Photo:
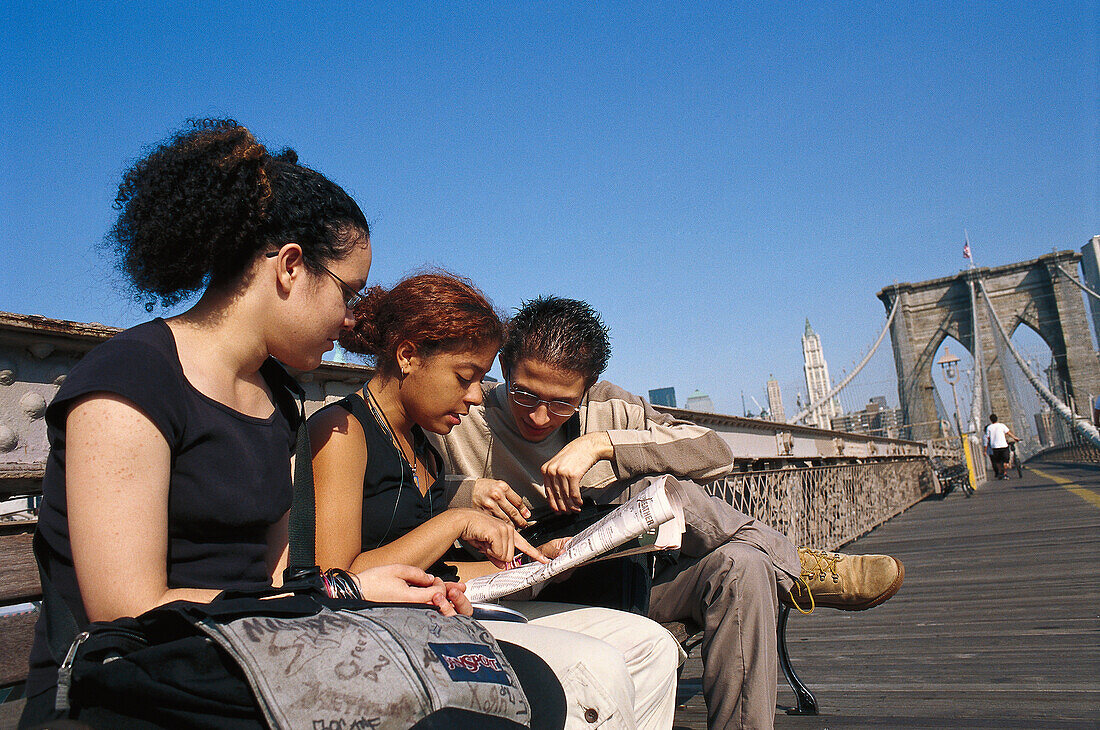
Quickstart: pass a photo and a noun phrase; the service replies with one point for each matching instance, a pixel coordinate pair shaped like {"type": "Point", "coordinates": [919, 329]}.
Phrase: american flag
{"type": "Point", "coordinates": [966, 250]}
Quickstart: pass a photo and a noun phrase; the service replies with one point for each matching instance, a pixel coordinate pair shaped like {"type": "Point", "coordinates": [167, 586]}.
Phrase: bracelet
{"type": "Point", "coordinates": [339, 583]}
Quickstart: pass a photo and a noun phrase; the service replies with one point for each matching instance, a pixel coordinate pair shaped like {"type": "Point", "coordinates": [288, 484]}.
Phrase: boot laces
{"type": "Point", "coordinates": [801, 585]}
{"type": "Point", "coordinates": [823, 564]}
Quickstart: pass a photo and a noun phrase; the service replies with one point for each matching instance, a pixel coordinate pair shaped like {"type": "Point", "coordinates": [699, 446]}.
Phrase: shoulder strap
{"type": "Point", "coordinates": [301, 528]}
{"type": "Point", "coordinates": [355, 405]}
{"type": "Point", "coordinates": [61, 626]}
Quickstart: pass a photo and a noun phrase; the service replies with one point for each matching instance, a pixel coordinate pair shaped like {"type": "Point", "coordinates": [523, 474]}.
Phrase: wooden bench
{"type": "Point", "coordinates": [950, 475]}
{"type": "Point", "coordinates": [18, 586]}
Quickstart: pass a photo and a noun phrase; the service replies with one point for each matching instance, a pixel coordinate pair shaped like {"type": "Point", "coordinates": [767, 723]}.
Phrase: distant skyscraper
{"type": "Point", "coordinates": [818, 384]}
{"type": "Point", "coordinates": [877, 419]}
{"type": "Point", "coordinates": [1090, 275]}
{"type": "Point", "coordinates": [1060, 434]}
{"type": "Point", "coordinates": [775, 402]}
{"type": "Point", "coordinates": [663, 397]}
{"type": "Point", "coordinates": [699, 401]}
{"type": "Point", "coordinates": [1045, 424]}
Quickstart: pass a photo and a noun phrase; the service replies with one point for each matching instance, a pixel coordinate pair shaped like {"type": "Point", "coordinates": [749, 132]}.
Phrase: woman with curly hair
{"type": "Point", "coordinates": [168, 476]}
{"type": "Point", "coordinates": [380, 496]}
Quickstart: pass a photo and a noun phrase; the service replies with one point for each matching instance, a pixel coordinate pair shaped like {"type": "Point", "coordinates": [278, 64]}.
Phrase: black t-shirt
{"type": "Point", "coordinates": [392, 502]}
{"type": "Point", "coordinates": [229, 481]}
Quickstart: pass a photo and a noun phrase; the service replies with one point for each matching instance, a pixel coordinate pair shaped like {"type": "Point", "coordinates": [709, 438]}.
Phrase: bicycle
{"type": "Point", "coordinates": [964, 482]}
{"type": "Point", "coordinates": [964, 485]}
{"type": "Point", "coordinates": [1014, 459]}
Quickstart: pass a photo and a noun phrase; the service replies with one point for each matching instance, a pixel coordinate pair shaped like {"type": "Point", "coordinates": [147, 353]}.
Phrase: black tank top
{"type": "Point", "coordinates": [392, 503]}
{"type": "Point", "coordinates": [229, 479]}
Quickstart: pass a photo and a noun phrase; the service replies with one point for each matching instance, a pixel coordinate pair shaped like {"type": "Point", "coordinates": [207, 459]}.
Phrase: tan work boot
{"type": "Point", "coordinates": [846, 582]}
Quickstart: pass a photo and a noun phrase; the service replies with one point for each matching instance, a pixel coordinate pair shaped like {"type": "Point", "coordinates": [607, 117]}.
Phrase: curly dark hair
{"type": "Point", "coordinates": [200, 207]}
{"type": "Point", "coordinates": [436, 311]}
{"type": "Point", "coordinates": [567, 334]}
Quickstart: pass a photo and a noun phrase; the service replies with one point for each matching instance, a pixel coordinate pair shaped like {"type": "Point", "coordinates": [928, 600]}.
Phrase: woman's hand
{"type": "Point", "coordinates": [496, 498]}
{"type": "Point", "coordinates": [456, 594]}
{"type": "Point", "coordinates": [497, 539]}
{"type": "Point", "coordinates": [406, 584]}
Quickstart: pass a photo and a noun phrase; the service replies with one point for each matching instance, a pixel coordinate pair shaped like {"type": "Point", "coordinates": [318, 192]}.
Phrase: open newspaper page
{"type": "Point", "coordinates": [665, 536]}
{"type": "Point", "coordinates": [646, 511]}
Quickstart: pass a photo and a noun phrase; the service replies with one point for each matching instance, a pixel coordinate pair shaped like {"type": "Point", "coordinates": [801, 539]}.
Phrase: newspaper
{"type": "Point", "coordinates": [651, 509]}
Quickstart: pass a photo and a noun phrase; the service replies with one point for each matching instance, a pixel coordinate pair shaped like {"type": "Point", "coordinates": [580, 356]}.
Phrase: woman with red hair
{"type": "Point", "coordinates": [380, 496]}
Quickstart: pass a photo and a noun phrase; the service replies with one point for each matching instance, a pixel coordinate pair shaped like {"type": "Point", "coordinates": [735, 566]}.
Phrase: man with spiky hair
{"type": "Point", "coordinates": [552, 434]}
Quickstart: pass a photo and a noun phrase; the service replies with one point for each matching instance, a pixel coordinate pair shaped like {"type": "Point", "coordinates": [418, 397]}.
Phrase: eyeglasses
{"type": "Point", "coordinates": [352, 298]}
{"type": "Point", "coordinates": [523, 399]}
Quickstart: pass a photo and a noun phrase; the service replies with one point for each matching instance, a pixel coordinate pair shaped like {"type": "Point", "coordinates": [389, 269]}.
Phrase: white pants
{"type": "Point", "coordinates": [618, 669]}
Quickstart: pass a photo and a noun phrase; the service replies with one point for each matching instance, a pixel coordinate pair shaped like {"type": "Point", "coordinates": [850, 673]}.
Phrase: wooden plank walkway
{"type": "Point", "coordinates": [997, 625]}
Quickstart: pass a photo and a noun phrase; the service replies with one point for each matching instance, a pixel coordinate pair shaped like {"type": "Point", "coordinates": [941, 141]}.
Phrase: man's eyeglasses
{"type": "Point", "coordinates": [523, 399]}
{"type": "Point", "coordinates": [352, 298]}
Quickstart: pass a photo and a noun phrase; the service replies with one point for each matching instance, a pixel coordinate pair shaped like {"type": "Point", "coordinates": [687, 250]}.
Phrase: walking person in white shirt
{"type": "Point", "coordinates": [997, 437]}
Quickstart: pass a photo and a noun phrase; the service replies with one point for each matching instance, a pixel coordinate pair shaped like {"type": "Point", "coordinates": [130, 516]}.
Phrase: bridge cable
{"type": "Point", "coordinates": [1079, 284]}
{"type": "Point", "coordinates": [832, 393]}
{"type": "Point", "coordinates": [1080, 425]}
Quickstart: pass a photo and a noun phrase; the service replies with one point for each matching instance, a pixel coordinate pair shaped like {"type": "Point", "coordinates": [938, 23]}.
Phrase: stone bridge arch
{"type": "Point", "coordinates": [1034, 293]}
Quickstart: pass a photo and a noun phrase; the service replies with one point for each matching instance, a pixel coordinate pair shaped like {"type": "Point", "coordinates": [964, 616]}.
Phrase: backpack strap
{"type": "Point", "coordinates": [301, 528]}
{"type": "Point", "coordinates": [60, 626]}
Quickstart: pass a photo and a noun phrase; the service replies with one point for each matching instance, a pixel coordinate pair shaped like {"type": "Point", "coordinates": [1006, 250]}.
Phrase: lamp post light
{"type": "Point", "coordinates": [950, 365]}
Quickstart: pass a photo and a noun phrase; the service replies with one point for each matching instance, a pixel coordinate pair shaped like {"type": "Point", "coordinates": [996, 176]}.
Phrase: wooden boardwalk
{"type": "Point", "coordinates": [997, 625]}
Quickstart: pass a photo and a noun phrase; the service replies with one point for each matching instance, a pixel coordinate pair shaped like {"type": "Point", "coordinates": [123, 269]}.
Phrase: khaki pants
{"type": "Point", "coordinates": [726, 579]}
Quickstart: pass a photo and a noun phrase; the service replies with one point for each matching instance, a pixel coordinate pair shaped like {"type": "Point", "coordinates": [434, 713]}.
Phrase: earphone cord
{"type": "Point", "coordinates": [384, 422]}
{"type": "Point", "coordinates": [376, 408]}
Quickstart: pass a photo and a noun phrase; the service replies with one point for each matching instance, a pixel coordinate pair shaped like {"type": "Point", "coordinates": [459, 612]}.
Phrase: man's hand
{"type": "Point", "coordinates": [406, 584]}
{"type": "Point", "coordinates": [562, 474]}
{"type": "Point", "coordinates": [499, 500]}
{"type": "Point", "coordinates": [497, 539]}
{"type": "Point", "coordinates": [555, 547]}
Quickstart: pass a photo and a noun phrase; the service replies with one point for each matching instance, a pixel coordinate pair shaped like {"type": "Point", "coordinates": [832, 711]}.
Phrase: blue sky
{"type": "Point", "coordinates": [707, 176]}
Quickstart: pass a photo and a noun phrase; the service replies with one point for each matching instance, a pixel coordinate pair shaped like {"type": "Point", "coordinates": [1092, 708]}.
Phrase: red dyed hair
{"type": "Point", "coordinates": [437, 312]}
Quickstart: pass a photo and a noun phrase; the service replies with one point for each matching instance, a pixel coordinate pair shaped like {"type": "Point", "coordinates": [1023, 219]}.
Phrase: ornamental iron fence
{"type": "Point", "coordinates": [825, 507]}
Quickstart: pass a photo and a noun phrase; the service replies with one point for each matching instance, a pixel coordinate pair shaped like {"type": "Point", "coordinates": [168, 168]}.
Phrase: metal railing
{"type": "Point", "coordinates": [1077, 451]}
{"type": "Point", "coordinates": [826, 507]}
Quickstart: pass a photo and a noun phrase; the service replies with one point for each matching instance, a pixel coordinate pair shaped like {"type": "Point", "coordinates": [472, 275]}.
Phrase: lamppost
{"type": "Point", "coordinates": [950, 365]}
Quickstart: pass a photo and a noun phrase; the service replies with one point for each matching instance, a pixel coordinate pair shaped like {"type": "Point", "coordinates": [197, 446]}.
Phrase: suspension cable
{"type": "Point", "coordinates": [1077, 283]}
{"type": "Point", "coordinates": [825, 399]}
{"type": "Point", "coordinates": [1081, 425]}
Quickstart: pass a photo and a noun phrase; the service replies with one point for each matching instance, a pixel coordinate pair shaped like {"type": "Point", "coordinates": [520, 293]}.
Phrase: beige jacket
{"type": "Point", "coordinates": [487, 444]}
